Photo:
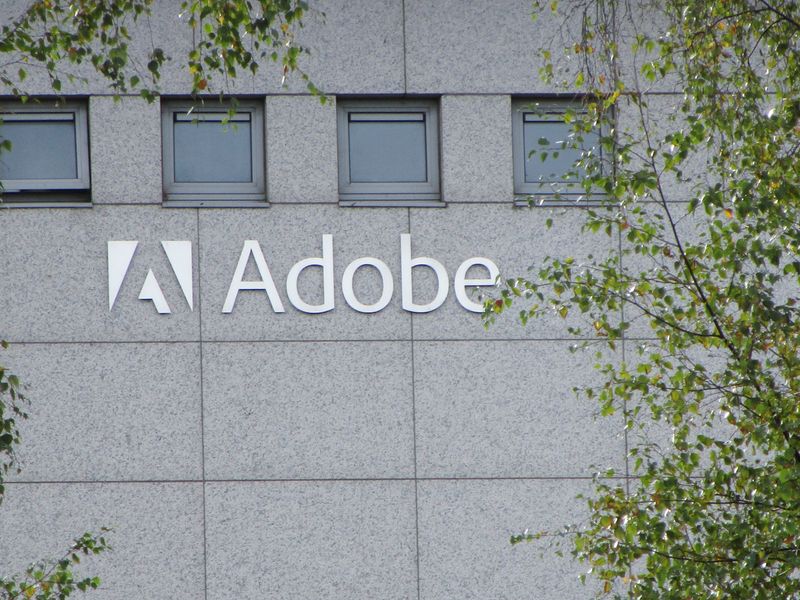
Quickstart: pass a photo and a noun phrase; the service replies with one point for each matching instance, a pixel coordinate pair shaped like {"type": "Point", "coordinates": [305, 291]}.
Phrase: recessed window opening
{"type": "Point", "coordinates": [209, 148]}
{"type": "Point", "coordinates": [386, 147]}
{"type": "Point", "coordinates": [388, 152]}
{"type": "Point", "coordinates": [213, 154]}
{"type": "Point", "coordinates": [44, 152]}
{"type": "Point", "coordinates": [549, 152]}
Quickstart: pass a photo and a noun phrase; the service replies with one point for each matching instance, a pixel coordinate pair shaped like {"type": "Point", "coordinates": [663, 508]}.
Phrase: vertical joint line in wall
{"type": "Point", "coordinates": [202, 409]}
{"type": "Point", "coordinates": [405, 62]}
{"type": "Point", "coordinates": [615, 118]}
{"type": "Point", "coordinates": [416, 481]}
{"type": "Point", "coordinates": [413, 377]}
{"type": "Point", "coordinates": [414, 435]}
{"type": "Point", "coordinates": [614, 33]}
{"type": "Point", "coordinates": [624, 356]}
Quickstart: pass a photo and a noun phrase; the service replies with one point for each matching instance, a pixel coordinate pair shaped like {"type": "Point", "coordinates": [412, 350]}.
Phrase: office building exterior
{"type": "Point", "coordinates": [257, 355]}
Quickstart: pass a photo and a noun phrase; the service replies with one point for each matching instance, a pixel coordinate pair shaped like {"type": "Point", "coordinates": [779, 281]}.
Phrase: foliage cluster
{"type": "Point", "coordinates": [704, 196]}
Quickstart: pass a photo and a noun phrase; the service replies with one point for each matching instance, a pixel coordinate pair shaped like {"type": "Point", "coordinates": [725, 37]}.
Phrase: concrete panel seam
{"type": "Point", "coordinates": [202, 415]}
{"type": "Point", "coordinates": [405, 91]}
{"type": "Point", "coordinates": [414, 408]}
{"type": "Point", "coordinates": [317, 480]}
{"type": "Point", "coordinates": [17, 342]}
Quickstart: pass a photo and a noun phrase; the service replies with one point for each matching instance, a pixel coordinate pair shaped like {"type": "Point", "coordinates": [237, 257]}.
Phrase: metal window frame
{"type": "Point", "coordinates": [46, 189]}
{"type": "Point", "coordinates": [545, 190]}
{"type": "Point", "coordinates": [252, 193]}
{"type": "Point", "coordinates": [425, 193]}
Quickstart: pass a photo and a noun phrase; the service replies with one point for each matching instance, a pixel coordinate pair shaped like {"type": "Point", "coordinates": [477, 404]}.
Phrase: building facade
{"type": "Point", "coordinates": [351, 431]}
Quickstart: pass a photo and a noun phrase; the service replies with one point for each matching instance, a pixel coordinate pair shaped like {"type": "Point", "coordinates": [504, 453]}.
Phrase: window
{"type": "Point", "coordinates": [388, 153]}
{"type": "Point", "coordinates": [546, 149]}
{"type": "Point", "coordinates": [48, 157]}
{"type": "Point", "coordinates": [213, 157]}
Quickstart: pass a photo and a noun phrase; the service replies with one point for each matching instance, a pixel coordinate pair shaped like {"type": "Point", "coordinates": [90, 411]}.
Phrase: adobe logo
{"type": "Point", "coordinates": [179, 255]}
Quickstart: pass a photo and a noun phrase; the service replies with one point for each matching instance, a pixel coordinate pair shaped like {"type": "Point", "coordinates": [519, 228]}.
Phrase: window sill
{"type": "Point", "coordinates": [535, 200]}
{"type": "Point", "coordinates": [44, 204]}
{"type": "Point", "coordinates": [365, 203]}
{"type": "Point", "coordinates": [45, 199]}
{"type": "Point", "coordinates": [215, 204]}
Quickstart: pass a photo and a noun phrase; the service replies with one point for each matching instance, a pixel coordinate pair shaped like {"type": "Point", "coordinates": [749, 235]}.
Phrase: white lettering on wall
{"type": "Point", "coordinates": [179, 255]}
{"type": "Point", "coordinates": [252, 248]}
{"type": "Point", "coordinates": [326, 262]}
{"type": "Point", "coordinates": [407, 265]}
{"type": "Point", "coordinates": [461, 283]}
{"type": "Point", "coordinates": [387, 284]}
{"type": "Point", "coordinates": [120, 254]}
{"type": "Point", "coordinates": [152, 291]}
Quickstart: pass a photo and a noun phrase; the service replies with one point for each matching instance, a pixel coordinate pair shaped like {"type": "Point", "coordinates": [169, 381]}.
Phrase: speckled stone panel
{"type": "Point", "coordinates": [464, 549]}
{"type": "Point", "coordinates": [476, 149]}
{"type": "Point", "coordinates": [690, 228]}
{"type": "Point", "coordinates": [36, 80]}
{"type": "Point", "coordinates": [167, 28]}
{"type": "Point", "coordinates": [661, 117]}
{"type": "Point", "coordinates": [322, 540]}
{"type": "Point", "coordinates": [517, 240]}
{"type": "Point", "coordinates": [157, 535]}
{"type": "Point", "coordinates": [308, 410]}
{"type": "Point", "coordinates": [354, 46]}
{"type": "Point", "coordinates": [657, 436]}
{"type": "Point", "coordinates": [54, 275]}
{"type": "Point", "coordinates": [288, 234]}
{"type": "Point", "coordinates": [301, 149]}
{"type": "Point", "coordinates": [643, 19]}
{"type": "Point", "coordinates": [507, 409]}
{"type": "Point", "coordinates": [109, 411]}
{"type": "Point", "coordinates": [125, 142]}
{"type": "Point", "coordinates": [164, 28]}
{"type": "Point", "coordinates": [482, 46]}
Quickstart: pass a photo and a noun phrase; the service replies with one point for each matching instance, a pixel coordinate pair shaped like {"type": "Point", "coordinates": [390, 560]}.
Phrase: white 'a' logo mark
{"type": "Point", "coordinates": [179, 254]}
